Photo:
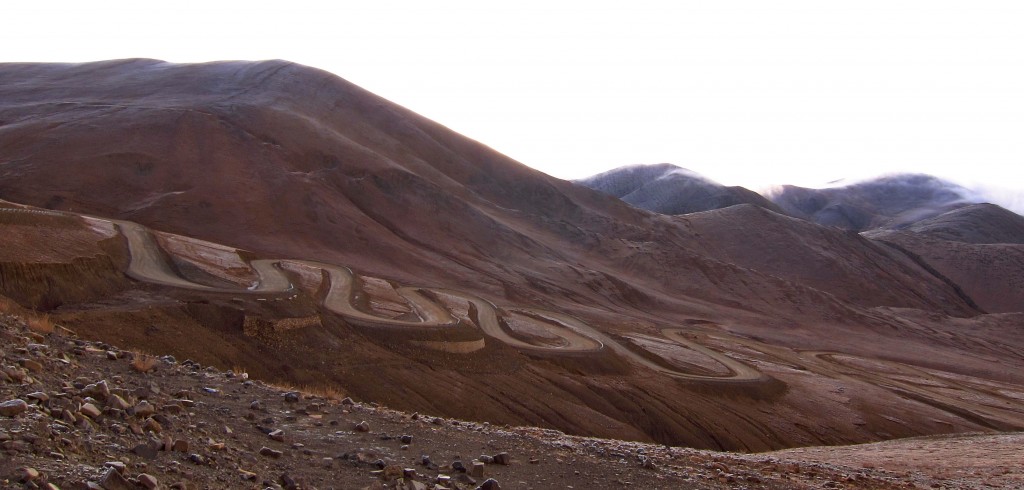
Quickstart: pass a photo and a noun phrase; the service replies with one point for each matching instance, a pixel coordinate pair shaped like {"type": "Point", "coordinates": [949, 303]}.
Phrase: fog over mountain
{"type": "Point", "coordinates": [668, 189]}
{"type": "Point", "coordinates": [891, 201]}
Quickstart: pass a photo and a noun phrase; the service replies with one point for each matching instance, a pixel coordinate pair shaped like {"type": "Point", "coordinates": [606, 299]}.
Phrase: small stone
{"type": "Point", "coordinates": [392, 472]}
{"type": "Point", "coordinates": [99, 390]}
{"type": "Point", "coordinates": [90, 410]}
{"type": "Point", "coordinates": [256, 405]}
{"type": "Point", "coordinates": [148, 481]}
{"type": "Point", "coordinates": [117, 403]}
{"type": "Point", "coordinates": [180, 446]}
{"type": "Point", "coordinates": [27, 474]}
{"type": "Point", "coordinates": [144, 409]}
{"type": "Point", "coordinates": [458, 466]}
{"type": "Point", "coordinates": [502, 458]}
{"type": "Point", "coordinates": [277, 435]}
{"type": "Point", "coordinates": [272, 453]}
{"type": "Point", "coordinates": [152, 426]}
{"type": "Point", "coordinates": [18, 375]}
{"type": "Point", "coordinates": [489, 484]}
{"type": "Point", "coordinates": [111, 355]}
{"type": "Point", "coordinates": [197, 459]}
{"type": "Point", "coordinates": [477, 469]}
{"type": "Point", "coordinates": [406, 439]}
{"type": "Point", "coordinates": [288, 482]}
{"type": "Point", "coordinates": [486, 459]}
{"type": "Point", "coordinates": [113, 480]}
{"type": "Point", "coordinates": [13, 408]}
{"type": "Point", "coordinates": [291, 397]}
{"type": "Point", "coordinates": [31, 365]}
{"type": "Point", "coordinates": [347, 401]}
{"type": "Point", "coordinates": [117, 465]}
{"type": "Point", "coordinates": [38, 396]}
{"type": "Point", "coordinates": [362, 427]}
{"type": "Point", "coordinates": [247, 475]}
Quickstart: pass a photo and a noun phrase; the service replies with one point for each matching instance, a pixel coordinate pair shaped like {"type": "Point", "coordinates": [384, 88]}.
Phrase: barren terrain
{"type": "Point", "coordinates": [274, 219]}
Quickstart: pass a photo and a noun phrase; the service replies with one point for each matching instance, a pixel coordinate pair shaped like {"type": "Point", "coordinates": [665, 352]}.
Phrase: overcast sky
{"type": "Point", "coordinates": [747, 92]}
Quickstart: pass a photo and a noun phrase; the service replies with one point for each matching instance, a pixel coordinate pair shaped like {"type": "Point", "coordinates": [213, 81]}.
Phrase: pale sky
{"type": "Point", "coordinates": [746, 92]}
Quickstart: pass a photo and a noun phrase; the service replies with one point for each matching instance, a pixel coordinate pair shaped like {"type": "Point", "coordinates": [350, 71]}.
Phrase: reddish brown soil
{"type": "Point", "coordinates": [209, 435]}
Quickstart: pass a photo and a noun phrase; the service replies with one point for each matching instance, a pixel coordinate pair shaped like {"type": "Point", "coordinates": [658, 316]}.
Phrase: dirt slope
{"type": "Point", "coordinates": [979, 248]}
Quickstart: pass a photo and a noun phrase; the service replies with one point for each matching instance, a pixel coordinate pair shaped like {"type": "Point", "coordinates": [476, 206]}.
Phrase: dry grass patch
{"type": "Point", "coordinates": [329, 392]}
{"type": "Point", "coordinates": [41, 324]}
{"type": "Point", "coordinates": [143, 362]}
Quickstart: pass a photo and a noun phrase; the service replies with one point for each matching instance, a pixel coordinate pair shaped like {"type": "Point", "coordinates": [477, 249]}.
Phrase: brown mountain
{"type": "Point", "coordinates": [979, 248]}
{"type": "Point", "coordinates": [481, 289]}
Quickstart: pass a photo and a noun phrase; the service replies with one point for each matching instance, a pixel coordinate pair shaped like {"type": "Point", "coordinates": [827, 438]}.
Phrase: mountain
{"type": "Point", "coordinates": [894, 201]}
{"type": "Point", "coordinates": [980, 248]}
{"type": "Point", "coordinates": [668, 189]}
{"type": "Point", "coordinates": [275, 217]}
{"type": "Point", "coordinates": [977, 223]}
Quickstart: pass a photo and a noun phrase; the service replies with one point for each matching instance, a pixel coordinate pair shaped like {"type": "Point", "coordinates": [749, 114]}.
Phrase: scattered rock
{"type": "Point", "coordinates": [277, 435]}
{"type": "Point", "coordinates": [143, 409]}
{"type": "Point", "coordinates": [38, 397]}
{"type": "Point", "coordinates": [406, 439]}
{"type": "Point", "coordinates": [362, 427]}
{"type": "Point", "coordinates": [477, 469]}
{"type": "Point", "coordinates": [148, 481]}
{"type": "Point", "coordinates": [180, 446]}
{"type": "Point", "coordinates": [292, 397]}
{"type": "Point", "coordinates": [13, 408]}
{"type": "Point", "coordinates": [152, 425]}
{"type": "Point", "coordinates": [90, 410]}
{"type": "Point", "coordinates": [118, 403]}
{"type": "Point", "coordinates": [99, 391]}
{"type": "Point", "coordinates": [347, 401]}
{"type": "Point", "coordinates": [32, 365]}
{"type": "Point", "coordinates": [458, 466]}
{"type": "Point", "coordinates": [114, 480]}
{"type": "Point", "coordinates": [271, 453]}
{"type": "Point", "coordinates": [489, 484]}
{"type": "Point", "coordinates": [502, 458]}
{"type": "Point", "coordinates": [27, 474]}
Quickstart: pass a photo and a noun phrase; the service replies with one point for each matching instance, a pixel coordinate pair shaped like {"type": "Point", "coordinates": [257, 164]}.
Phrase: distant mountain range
{"type": "Point", "coordinates": [894, 201]}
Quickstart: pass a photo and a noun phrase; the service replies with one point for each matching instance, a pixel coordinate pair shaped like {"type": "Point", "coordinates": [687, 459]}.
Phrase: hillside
{"type": "Point", "coordinates": [155, 421]}
{"type": "Point", "coordinates": [274, 217]}
{"type": "Point", "coordinates": [980, 248]}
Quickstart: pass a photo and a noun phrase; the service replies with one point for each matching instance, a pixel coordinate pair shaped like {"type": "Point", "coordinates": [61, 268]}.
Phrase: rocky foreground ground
{"type": "Point", "coordinates": [81, 414]}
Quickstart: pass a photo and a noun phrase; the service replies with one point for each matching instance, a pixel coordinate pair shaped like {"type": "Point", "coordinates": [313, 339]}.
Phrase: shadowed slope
{"type": "Point", "coordinates": [980, 248]}
{"type": "Point", "coordinates": [888, 202]}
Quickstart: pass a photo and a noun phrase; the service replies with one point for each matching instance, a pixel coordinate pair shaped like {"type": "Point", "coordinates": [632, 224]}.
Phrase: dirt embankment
{"type": "Point", "coordinates": [48, 259]}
